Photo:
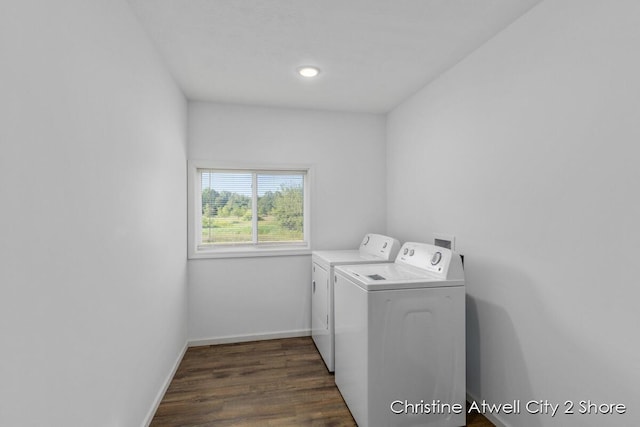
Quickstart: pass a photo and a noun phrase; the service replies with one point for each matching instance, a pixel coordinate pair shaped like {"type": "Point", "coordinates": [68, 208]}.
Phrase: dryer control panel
{"type": "Point", "coordinates": [425, 256]}
{"type": "Point", "coordinates": [384, 247]}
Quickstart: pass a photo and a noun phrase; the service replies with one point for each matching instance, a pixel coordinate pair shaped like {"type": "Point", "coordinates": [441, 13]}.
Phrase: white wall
{"type": "Point", "coordinates": [92, 224]}
{"type": "Point", "coordinates": [265, 296]}
{"type": "Point", "coordinates": [528, 152]}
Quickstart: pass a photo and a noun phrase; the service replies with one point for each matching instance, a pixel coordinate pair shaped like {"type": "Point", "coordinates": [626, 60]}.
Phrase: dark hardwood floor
{"type": "Point", "coordinates": [262, 383]}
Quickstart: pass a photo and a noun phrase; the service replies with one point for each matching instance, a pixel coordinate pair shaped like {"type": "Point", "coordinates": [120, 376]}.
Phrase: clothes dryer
{"type": "Point", "coordinates": [374, 248]}
{"type": "Point", "coordinates": [400, 339]}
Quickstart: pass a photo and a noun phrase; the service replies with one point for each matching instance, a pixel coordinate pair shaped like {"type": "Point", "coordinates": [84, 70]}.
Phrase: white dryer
{"type": "Point", "coordinates": [400, 339]}
{"type": "Point", "coordinates": [375, 248]}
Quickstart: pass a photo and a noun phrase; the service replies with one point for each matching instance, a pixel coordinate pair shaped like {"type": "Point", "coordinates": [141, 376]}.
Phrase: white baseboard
{"type": "Point", "coordinates": [246, 338]}
{"type": "Point", "coordinates": [165, 386]}
{"type": "Point", "coordinates": [498, 422]}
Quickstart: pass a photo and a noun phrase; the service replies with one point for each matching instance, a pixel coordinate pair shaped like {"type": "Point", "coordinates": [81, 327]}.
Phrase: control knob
{"type": "Point", "coordinates": [435, 259]}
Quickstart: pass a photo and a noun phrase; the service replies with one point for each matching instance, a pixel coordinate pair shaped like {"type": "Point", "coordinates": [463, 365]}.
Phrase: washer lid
{"type": "Point", "coordinates": [377, 277]}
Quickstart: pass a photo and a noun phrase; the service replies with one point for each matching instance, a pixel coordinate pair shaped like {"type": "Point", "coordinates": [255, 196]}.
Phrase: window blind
{"type": "Point", "coordinates": [251, 207]}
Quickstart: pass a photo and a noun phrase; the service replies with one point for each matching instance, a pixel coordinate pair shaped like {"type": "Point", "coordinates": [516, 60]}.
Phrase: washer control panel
{"type": "Point", "coordinates": [425, 256]}
{"type": "Point", "coordinates": [380, 246]}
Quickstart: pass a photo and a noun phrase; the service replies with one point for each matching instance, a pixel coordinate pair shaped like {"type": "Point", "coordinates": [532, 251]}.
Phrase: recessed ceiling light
{"type": "Point", "coordinates": [308, 71]}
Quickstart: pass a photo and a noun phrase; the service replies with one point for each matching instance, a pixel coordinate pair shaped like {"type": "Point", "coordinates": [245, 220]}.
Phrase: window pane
{"type": "Point", "coordinates": [280, 207]}
{"type": "Point", "coordinates": [226, 207]}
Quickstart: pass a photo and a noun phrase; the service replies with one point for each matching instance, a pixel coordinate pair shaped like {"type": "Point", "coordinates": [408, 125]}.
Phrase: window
{"type": "Point", "coordinates": [248, 212]}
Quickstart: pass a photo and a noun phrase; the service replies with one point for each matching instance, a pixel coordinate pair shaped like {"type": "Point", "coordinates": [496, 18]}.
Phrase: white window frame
{"type": "Point", "coordinates": [194, 211]}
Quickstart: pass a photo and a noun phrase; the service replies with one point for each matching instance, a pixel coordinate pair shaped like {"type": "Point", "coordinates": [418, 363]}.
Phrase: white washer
{"type": "Point", "coordinates": [400, 339]}
{"type": "Point", "coordinates": [374, 248]}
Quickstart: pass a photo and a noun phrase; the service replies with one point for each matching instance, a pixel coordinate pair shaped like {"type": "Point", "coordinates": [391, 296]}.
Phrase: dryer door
{"type": "Point", "coordinates": [319, 301]}
{"type": "Point", "coordinates": [321, 310]}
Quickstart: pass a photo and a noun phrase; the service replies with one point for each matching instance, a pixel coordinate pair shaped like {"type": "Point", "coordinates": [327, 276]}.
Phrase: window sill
{"type": "Point", "coordinates": [249, 252]}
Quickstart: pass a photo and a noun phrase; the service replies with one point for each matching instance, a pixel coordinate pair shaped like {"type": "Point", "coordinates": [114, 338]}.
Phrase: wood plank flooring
{"type": "Point", "coordinates": [262, 383]}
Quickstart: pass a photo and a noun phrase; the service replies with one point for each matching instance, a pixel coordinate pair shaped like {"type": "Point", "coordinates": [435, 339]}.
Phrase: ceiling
{"type": "Point", "coordinates": [373, 54]}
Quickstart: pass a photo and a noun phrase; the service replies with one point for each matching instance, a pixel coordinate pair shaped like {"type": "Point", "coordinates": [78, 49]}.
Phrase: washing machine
{"type": "Point", "coordinates": [400, 339]}
{"type": "Point", "coordinates": [374, 248]}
